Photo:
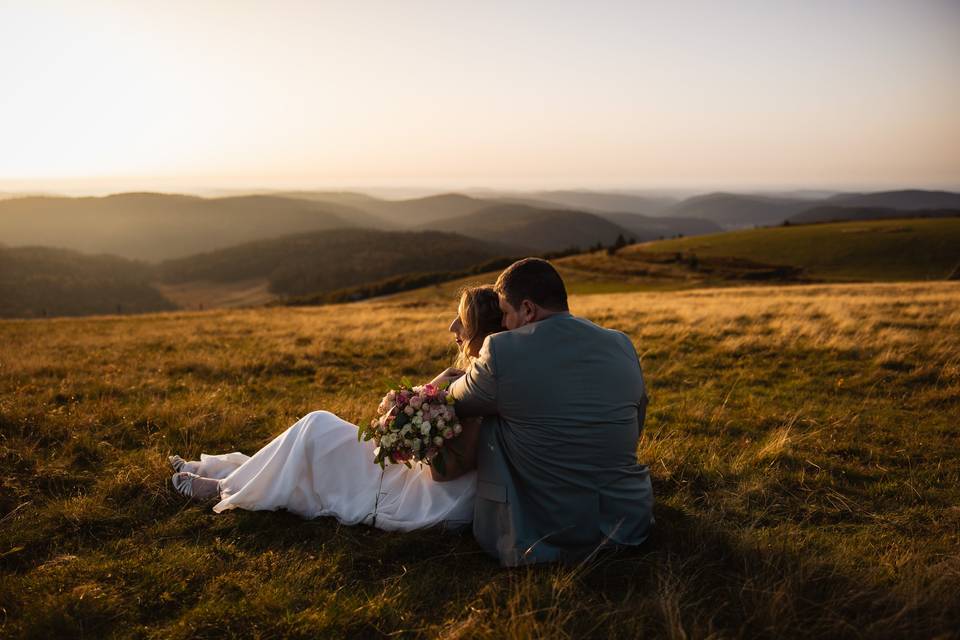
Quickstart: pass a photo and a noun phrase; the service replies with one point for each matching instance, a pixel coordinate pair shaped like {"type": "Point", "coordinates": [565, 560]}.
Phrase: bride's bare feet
{"type": "Point", "coordinates": [196, 487]}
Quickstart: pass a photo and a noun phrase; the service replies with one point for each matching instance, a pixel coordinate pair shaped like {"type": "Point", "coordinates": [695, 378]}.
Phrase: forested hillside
{"type": "Point", "coordinates": [324, 261]}
{"type": "Point", "coordinates": [38, 281]}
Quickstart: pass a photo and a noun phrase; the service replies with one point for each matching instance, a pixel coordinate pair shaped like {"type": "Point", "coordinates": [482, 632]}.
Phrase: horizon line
{"type": "Point", "coordinates": [68, 188]}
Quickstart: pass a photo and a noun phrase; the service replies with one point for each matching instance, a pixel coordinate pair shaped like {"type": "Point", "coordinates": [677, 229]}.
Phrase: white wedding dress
{"type": "Point", "coordinates": [317, 467]}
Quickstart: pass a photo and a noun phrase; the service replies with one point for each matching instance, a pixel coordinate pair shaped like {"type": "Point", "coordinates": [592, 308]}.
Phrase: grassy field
{"type": "Point", "coordinates": [885, 250]}
{"type": "Point", "coordinates": [804, 445]}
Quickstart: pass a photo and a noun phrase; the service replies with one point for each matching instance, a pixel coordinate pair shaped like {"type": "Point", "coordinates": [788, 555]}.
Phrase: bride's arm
{"type": "Point", "coordinates": [461, 452]}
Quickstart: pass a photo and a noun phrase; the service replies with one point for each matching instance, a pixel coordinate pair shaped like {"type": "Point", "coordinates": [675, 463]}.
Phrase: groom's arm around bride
{"type": "Point", "coordinates": [556, 463]}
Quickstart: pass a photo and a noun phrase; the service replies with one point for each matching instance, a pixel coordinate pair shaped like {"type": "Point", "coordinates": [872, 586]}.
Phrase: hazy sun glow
{"type": "Point", "coordinates": [512, 94]}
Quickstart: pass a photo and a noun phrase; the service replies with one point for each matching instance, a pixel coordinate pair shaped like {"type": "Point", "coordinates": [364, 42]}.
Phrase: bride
{"type": "Point", "coordinates": [317, 467]}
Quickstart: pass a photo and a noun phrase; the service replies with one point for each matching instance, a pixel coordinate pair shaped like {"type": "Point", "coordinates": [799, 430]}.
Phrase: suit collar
{"type": "Point", "coordinates": [560, 314]}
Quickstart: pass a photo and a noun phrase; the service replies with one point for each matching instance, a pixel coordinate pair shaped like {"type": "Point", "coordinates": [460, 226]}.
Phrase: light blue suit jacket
{"type": "Point", "coordinates": [557, 467]}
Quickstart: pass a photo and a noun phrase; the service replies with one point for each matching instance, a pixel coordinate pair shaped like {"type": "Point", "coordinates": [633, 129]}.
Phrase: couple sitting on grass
{"type": "Point", "coordinates": [551, 408]}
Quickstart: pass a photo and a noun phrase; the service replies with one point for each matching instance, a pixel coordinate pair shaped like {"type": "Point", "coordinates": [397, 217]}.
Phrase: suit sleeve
{"type": "Point", "coordinates": [642, 399]}
{"type": "Point", "coordinates": [476, 392]}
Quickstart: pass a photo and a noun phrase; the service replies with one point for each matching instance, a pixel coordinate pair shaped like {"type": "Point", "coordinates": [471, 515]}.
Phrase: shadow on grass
{"type": "Point", "coordinates": [696, 578]}
{"type": "Point", "coordinates": [691, 579]}
{"type": "Point", "coordinates": [185, 572]}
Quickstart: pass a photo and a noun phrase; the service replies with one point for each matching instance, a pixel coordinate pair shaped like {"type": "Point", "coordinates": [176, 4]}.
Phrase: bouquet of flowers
{"type": "Point", "coordinates": [413, 424]}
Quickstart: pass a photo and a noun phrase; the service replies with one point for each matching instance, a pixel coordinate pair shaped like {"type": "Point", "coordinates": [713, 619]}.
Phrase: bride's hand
{"type": "Point", "coordinates": [448, 376]}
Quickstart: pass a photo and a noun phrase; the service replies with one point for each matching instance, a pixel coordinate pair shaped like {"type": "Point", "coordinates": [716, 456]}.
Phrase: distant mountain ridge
{"type": "Point", "coordinates": [308, 242]}
{"type": "Point", "coordinates": [442, 209]}
{"type": "Point", "coordinates": [594, 201]}
{"type": "Point", "coordinates": [155, 227]}
{"type": "Point", "coordinates": [536, 230]}
{"type": "Point", "coordinates": [324, 261]}
{"type": "Point", "coordinates": [152, 227]}
{"type": "Point", "coordinates": [408, 213]}
{"type": "Point", "coordinates": [736, 211]}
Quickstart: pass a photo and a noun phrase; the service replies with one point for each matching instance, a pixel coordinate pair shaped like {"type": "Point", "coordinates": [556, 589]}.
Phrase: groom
{"type": "Point", "coordinates": [556, 467]}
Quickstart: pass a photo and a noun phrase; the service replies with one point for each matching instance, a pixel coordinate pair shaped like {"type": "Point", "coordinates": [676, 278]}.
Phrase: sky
{"type": "Point", "coordinates": [100, 95]}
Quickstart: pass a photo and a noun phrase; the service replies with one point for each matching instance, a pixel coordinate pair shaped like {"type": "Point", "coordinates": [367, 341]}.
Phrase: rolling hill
{"type": "Point", "coordinates": [412, 212]}
{"type": "Point", "coordinates": [153, 227]}
{"type": "Point", "coordinates": [351, 206]}
{"type": "Point", "coordinates": [644, 228]}
{"type": "Point", "coordinates": [38, 281]}
{"type": "Point", "coordinates": [42, 281]}
{"type": "Point", "coordinates": [901, 199]}
{"type": "Point", "coordinates": [886, 250]}
{"type": "Point", "coordinates": [611, 202]}
{"type": "Point", "coordinates": [736, 210]}
{"type": "Point", "coordinates": [733, 210]}
{"type": "Point", "coordinates": [535, 230]}
{"type": "Point", "coordinates": [250, 249]}
{"type": "Point", "coordinates": [842, 213]}
{"type": "Point", "coordinates": [324, 261]}
{"type": "Point", "coordinates": [633, 213]}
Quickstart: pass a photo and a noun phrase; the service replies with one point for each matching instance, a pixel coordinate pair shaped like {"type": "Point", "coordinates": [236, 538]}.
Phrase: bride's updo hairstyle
{"type": "Point", "coordinates": [480, 314]}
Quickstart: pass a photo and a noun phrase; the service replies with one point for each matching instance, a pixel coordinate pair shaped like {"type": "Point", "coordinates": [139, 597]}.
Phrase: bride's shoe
{"type": "Point", "coordinates": [193, 486]}
{"type": "Point", "coordinates": [179, 464]}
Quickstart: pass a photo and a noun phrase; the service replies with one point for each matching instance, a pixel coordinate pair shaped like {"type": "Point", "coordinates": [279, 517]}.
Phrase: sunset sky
{"type": "Point", "coordinates": [99, 95]}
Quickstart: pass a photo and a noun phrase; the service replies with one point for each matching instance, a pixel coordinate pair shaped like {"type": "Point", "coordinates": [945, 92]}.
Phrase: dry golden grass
{"type": "Point", "coordinates": [210, 295]}
{"type": "Point", "coordinates": [803, 442]}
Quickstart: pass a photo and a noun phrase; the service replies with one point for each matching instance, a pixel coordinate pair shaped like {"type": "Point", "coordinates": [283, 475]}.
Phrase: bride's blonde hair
{"type": "Point", "coordinates": [481, 316]}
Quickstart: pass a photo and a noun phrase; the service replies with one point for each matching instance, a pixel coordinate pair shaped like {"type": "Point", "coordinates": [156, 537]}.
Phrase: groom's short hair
{"type": "Point", "coordinates": [533, 279]}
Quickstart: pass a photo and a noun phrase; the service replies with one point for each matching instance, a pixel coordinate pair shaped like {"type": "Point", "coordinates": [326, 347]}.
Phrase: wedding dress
{"type": "Point", "coordinates": [317, 467]}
